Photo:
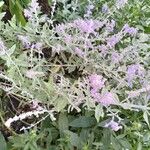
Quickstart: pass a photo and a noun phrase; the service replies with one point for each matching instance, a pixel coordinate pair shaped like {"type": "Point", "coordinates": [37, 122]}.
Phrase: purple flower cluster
{"type": "Point", "coordinates": [110, 26]}
{"type": "Point", "coordinates": [34, 6]}
{"type": "Point", "coordinates": [113, 125]}
{"type": "Point", "coordinates": [134, 71]}
{"type": "Point", "coordinates": [116, 57]}
{"type": "Point", "coordinates": [121, 3]}
{"type": "Point", "coordinates": [84, 36]}
{"type": "Point", "coordinates": [103, 49]}
{"type": "Point", "coordinates": [90, 7]}
{"type": "Point", "coordinates": [105, 8]}
{"type": "Point", "coordinates": [107, 99]}
{"type": "Point", "coordinates": [87, 26]}
{"type": "Point", "coordinates": [68, 39]}
{"type": "Point", "coordinates": [113, 40]}
{"type": "Point", "coordinates": [27, 44]}
{"type": "Point", "coordinates": [97, 83]}
{"type": "Point", "coordinates": [130, 30]}
{"type": "Point", "coordinates": [25, 41]}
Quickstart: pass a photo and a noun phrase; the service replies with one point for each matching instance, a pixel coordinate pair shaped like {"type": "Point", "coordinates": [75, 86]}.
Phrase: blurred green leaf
{"type": "Point", "coordinates": [73, 138]}
{"type": "Point", "coordinates": [63, 123]}
{"type": "Point", "coordinates": [145, 116]}
{"type": "Point", "coordinates": [83, 122]}
{"type": "Point", "coordinates": [115, 144]}
{"type": "Point", "coordinates": [16, 9]}
{"type": "Point", "coordinates": [99, 112]}
{"type": "Point", "coordinates": [3, 145]}
{"type": "Point", "coordinates": [1, 3]}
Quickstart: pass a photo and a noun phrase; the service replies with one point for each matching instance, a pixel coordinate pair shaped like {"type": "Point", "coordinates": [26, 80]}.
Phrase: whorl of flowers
{"type": "Point", "coordinates": [90, 7]}
{"type": "Point", "coordinates": [129, 30]}
{"type": "Point", "coordinates": [25, 41]}
{"type": "Point", "coordinates": [88, 29]}
{"type": "Point", "coordinates": [107, 99]}
{"type": "Point", "coordinates": [26, 115]}
{"type": "Point", "coordinates": [120, 3]}
{"type": "Point", "coordinates": [87, 26]}
{"type": "Point", "coordinates": [113, 125]}
{"type": "Point", "coordinates": [134, 71]}
{"type": "Point", "coordinates": [105, 8]}
{"type": "Point", "coordinates": [32, 9]}
{"type": "Point", "coordinates": [96, 81]}
{"type": "Point", "coordinates": [136, 93]}
{"type": "Point", "coordinates": [96, 84]}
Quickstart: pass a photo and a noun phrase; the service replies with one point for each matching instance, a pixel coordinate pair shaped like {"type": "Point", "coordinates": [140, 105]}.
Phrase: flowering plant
{"type": "Point", "coordinates": [86, 65]}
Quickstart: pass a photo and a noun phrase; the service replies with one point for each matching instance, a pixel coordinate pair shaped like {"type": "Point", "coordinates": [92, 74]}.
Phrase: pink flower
{"type": "Point", "coordinates": [95, 94]}
{"type": "Point", "coordinates": [113, 125]}
{"type": "Point", "coordinates": [96, 81]}
{"type": "Point", "coordinates": [107, 99]}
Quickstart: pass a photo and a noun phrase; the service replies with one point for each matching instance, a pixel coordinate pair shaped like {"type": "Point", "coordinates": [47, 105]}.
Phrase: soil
{"type": "Point", "coordinates": [45, 6]}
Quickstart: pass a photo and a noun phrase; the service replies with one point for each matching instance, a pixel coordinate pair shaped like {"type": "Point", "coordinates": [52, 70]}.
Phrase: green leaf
{"type": "Point", "coordinates": [61, 103]}
{"type": "Point", "coordinates": [145, 116]}
{"type": "Point", "coordinates": [84, 135]}
{"type": "Point", "coordinates": [83, 122]}
{"type": "Point", "coordinates": [3, 145]}
{"type": "Point", "coordinates": [11, 5]}
{"type": "Point", "coordinates": [106, 139]}
{"type": "Point", "coordinates": [115, 144]}
{"type": "Point", "coordinates": [103, 123]}
{"type": "Point", "coordinates": [1, 3]}
{"type": "Point", "coordinates": [139, 147]}
{"type": "Point", "coordinates": [2, 15]}
{"type": "Point", "coordinates": [73, 138]}
{"type": "Point", "coordinates": [63, 123]}
{"type": "Point", "coordinates": [11, 50]}
{"type": "Point", "coordinates": [16, 9]}
{"type": "Point", "coordinates": [99, 112]}
{"type": "Point", "coordinates": [124, 142]}
{"type": "Point", "coordinates": [18, 13]}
